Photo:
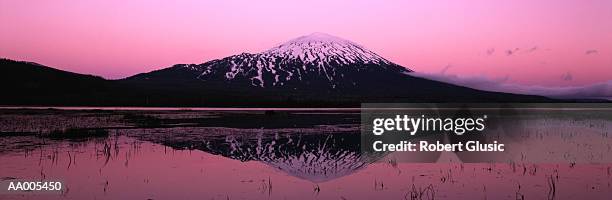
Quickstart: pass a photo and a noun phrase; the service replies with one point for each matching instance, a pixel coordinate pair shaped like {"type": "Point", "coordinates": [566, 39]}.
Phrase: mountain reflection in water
{"type": "Point", "coordinates": [317, 154]}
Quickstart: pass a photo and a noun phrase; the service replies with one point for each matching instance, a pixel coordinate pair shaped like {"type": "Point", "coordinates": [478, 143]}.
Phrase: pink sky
{"type": "Point", "coordinates": [116, 39]}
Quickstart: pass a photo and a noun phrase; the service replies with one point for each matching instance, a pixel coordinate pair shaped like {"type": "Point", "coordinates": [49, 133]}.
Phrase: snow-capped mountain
{"type": "Point", "coordinates": [316, 69]}
{"type": "Point", "coordinates": [316, 59]}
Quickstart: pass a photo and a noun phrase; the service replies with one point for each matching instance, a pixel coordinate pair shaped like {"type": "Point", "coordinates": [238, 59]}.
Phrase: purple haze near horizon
{"type": "Point", "coordinates": [549, 43]}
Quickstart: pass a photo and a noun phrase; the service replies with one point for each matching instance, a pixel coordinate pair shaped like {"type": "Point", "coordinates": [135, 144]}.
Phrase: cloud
{"type": "Point", "coordinates": [510, 52]}
{"type": "Point", "coordinates": [567, 76]}
{"type": "Point", "coordinates": [532, 49]}
{"type": "Point", "coordinates": [602, 90]}
{"type": "Point", "coordinates": [490, 51]}
{"type": "Point", "coordinates": [443, 71]}
{"type": "Point", "coordinates": [591, 51]}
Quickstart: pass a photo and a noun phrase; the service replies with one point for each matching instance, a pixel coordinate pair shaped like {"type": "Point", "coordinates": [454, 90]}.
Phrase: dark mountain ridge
{"type": "Point", "coordinates": [316, 70]}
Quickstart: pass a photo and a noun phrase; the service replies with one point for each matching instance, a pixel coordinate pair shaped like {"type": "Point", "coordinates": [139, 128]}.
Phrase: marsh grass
{"type": "Point", "coordinates": [76, 134]}
{"type": "Point", "coordinates": [421, 193]}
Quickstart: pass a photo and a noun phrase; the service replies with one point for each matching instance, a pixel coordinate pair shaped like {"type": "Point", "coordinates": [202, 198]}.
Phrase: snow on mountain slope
{"type": "Point", "coordinates": [317, 58]}
{"type": "Point", "coordinates": [321, 48]}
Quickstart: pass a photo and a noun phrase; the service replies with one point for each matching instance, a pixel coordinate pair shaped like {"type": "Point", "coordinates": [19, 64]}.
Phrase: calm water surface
{"type": "Point", "coordinates": [297, 154]}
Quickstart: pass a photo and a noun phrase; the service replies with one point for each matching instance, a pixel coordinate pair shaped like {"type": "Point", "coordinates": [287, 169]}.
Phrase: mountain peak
{"type": "Point", "coordinates": [317, 37]}
{"type": "Point", "coordinates": [322, 48]}
{"type": "Point", "coordinates": [315, 59]}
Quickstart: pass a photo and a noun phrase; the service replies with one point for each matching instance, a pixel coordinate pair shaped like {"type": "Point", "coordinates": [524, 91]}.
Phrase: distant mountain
{"type": "Point", "coordinates": [316, 68]}
{"type": "Point", "coordinates": [318, 60]}
{"type": "Point", "coordinates": [313, 70]}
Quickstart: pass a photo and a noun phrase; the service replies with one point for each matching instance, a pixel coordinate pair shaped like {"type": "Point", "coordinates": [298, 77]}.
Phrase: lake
{"type": "Point", "coordinates": [118, 153]}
